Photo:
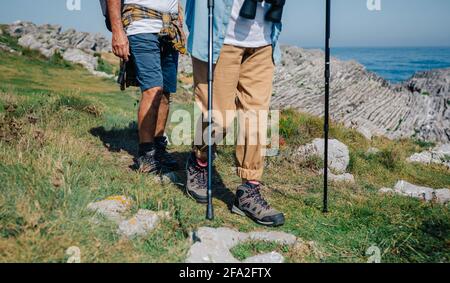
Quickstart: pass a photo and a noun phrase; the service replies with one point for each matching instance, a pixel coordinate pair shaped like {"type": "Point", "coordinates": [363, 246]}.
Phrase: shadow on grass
{"type": "Point", "coordinates": [126, 139]}
{"type": "Point", "coordinates": [118, 139]}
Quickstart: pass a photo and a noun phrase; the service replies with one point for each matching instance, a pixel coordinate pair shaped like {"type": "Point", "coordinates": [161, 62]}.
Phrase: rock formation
{"type": "Point", "coordinates": [420, 107]}
{"type": "Point", "coordinates": [404, 188]}
{"type": "Point", "coordinates": [213, 245]}
{"type": "Point", "coordinates": [363, 100]}
{"type": "Point", "coordinates": [76, 47]}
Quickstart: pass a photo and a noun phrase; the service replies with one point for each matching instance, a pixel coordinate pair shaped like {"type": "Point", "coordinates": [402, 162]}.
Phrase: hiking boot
{"type": "Point", "coordinates": [249, 202]}
{"type": "Point", "coordinates": [147, 163]}
{"type": "Point", "coordinates": [163, 156]}
{"type": "Point", "coordinates": [197, 180]}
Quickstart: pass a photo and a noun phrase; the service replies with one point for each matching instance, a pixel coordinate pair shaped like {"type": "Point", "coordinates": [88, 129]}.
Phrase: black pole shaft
{"type": "Point", "coordinates": [327, 103]}
{"type": "Point", "coordinates": [210, 210]}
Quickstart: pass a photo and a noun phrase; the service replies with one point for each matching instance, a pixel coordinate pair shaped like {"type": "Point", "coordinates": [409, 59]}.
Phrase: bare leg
{"type": "Point", "coordinates": [148, 114]}
{"type": "Point", "coordinates": [163, 115]}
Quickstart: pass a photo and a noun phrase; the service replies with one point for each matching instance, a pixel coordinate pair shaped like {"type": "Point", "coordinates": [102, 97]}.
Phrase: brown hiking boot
{"type": "Point", "coordinates": [249, 202]}
{"type": "Point", "coordinates": [197, 180]}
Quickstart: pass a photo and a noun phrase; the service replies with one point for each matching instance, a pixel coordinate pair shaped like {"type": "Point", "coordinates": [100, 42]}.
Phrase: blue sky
{"type": "Point", "coordinates": [399, 23]}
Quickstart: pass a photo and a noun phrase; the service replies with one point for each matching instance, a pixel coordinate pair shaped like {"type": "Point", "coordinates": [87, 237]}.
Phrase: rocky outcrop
{"type": "Point", "coordinates": [363, 100]}
{"type": "Point", "coordinates": [404, 188]}
{"type": "Point", "coordinates": [52, 37]}
{"type": "Point", "coordinates": [213, 245]}
{"type": "Point", "coordinates": [438, 155]}
{"type": "Point", "coordinates": [116, 208]}
{"type": "Point", "coordinates": [76, 47]}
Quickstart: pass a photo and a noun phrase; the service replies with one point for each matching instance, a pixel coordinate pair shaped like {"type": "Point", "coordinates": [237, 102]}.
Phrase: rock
{"type": "Point", "coordinates": [442, 196]}
{"type": "Point", "coordinates": [141, 223]}
{"type": "Point", "coordinates": [276, 237]}
{"type": "Point", "coordinates": [365, 132]}
{"type": "Point", "coordinates": [49, 39]}
{"type": "Point", "coordinates": [338, 157]}
{"type": "Point", "coordinates": [112, 207]}
{"type": "Point", "coordinates": [213, 245]}
{"type": "Point", "coordinates": [407, 189]}
{"type": "Point", "coordinates": [78, 56]}
{"type": "Point", "coordinates": [347, 178]}
{"type": "Point", "coordinates": [404, 188]}
{"type": "Point", "coordinates": [364, 100]}
{"type": "Point", "coordinates": [272, 257]}
{"type": "Point", "coordinates": [438, 155]}
{"type": "Point", "coordinates": [6, 48]}
{"type": "Point", "coordinates": [228, 237]}
{"type": "Point", "coordinates": [29, 41]}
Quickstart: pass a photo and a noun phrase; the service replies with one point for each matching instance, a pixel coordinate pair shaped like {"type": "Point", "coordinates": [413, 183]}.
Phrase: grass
{"type": "Point", "coordinates": [67, 139]}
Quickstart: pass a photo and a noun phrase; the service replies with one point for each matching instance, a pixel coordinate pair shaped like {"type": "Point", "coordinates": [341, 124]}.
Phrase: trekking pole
{"type": "Point", "coordinates": [327, 102]}
{"type": "Point", "coordinates": [210, 210]}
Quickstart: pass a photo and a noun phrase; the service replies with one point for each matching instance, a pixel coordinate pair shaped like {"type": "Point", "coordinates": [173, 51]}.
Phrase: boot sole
{"type": "Point", "coordinates": [238, 211]}
{"type": "Point", "coordinates": [192, 196]}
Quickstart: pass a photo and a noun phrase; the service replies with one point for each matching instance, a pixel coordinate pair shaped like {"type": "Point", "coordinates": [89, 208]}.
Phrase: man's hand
{"type": "Point", "coordinates": [119, 40]}
{"type": "Point", "coordinates": [120, 45]}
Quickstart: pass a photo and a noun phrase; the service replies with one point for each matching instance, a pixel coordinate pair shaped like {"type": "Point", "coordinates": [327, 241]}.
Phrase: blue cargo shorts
{"type": "Point", "coordinates": [156, 62]}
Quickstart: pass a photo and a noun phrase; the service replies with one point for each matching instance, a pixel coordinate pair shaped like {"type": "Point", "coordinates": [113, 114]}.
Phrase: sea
{"type": "Point", "coordinates": [396, 64]}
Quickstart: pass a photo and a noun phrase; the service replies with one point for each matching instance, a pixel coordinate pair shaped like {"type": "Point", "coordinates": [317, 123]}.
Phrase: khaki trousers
{"type": "Point", "coordinates": [243, 80]}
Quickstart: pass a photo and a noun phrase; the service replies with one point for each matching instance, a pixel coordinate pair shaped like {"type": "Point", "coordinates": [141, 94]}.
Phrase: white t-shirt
{"type": "Point", "coordinates": [151, 25]}
{"type": "Point", "coordinates": [243, 32]}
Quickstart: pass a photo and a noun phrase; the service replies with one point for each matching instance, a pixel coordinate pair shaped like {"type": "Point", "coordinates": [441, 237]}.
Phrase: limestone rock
{"type": "Point", "coordinates": [404, 188]}
{"type": "Point", "coordinates": [407, 189]}
{"type": "Point", "coordinates": [112, 207]}
{"type": "Point", "coordinates": [438, 155]}
{"type": "Point", "coordinates": [272, 257]}
{"type": "Point", "coordinates": [141, 223]}
{"type": "Point", "coordinates": [366, 132]}
{"type": "Point", "coordinates": [338, 156]}
{"type": "Point", "coordinates": [347, 178]}
{"type": "Point", "coordinates": [213, 245]}
{"type": "Point", "coordinates": [362, 99]}
{"type": "Point", "coordinates": [78, 56]}
{"type": "Point", "coordinates": [442, 196]}
{"type": "Point", "coordinates": [6, 48]}
{"type": "Point", "coordinates": [49, 39]}
{"type": "Point", "coordinates": [272, 236]}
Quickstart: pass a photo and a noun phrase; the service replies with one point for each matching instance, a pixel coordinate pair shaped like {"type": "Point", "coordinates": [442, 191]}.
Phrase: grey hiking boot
{"type": "Point", "coordinates": [197, 180]}
{"type": "Point", "coordinates": [147, 163]}
{"type": "Point", "coordinates": [249, 202]}
{"type": "Point", "coordinates": [163, 156]}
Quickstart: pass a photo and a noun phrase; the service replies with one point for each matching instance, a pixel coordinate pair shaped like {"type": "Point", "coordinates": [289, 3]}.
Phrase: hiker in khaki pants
{"type": "Point", "coordinates": [243, 75]}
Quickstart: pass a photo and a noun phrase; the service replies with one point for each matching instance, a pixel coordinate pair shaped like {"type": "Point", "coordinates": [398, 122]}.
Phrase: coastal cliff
{"type": "Point", "coordinates": [360, 99]}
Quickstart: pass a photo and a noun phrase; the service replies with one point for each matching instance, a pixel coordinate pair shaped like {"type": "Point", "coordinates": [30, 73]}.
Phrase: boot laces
{"type": "Point", "coordinates": [255, 193]}
{"type": "Point", "coordinates": [200, 174]}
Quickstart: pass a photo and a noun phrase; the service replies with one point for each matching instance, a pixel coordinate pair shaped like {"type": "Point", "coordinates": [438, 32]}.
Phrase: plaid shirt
{"type": "Point", "coordinates": [172, 29]}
